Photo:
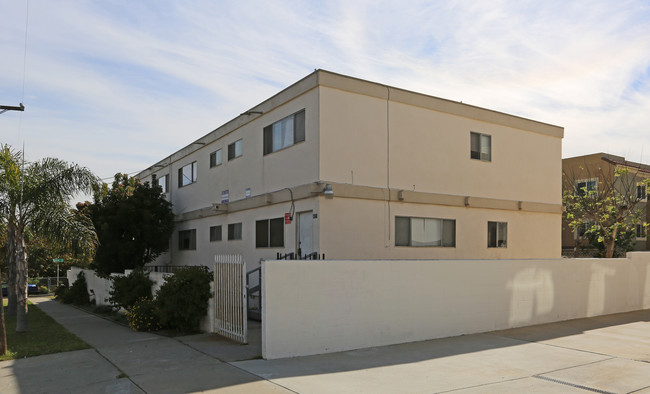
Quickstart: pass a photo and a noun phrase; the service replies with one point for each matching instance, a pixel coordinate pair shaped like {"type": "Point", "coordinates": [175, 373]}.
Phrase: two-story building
{"type": "Point", "coordinates": [598, 171]}
{"type": "Point", "coordinates": [354, 169]}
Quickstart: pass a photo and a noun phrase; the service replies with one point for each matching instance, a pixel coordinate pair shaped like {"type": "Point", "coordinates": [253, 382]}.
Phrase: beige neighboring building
{"type": "Point", "coordinates": [367, 171]}
{"type": "Point", "coordinates": [585, 172]}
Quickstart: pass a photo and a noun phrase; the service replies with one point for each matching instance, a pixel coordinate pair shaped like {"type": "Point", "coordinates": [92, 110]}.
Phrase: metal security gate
{"type": "Point", "coordinates": [230, 297]}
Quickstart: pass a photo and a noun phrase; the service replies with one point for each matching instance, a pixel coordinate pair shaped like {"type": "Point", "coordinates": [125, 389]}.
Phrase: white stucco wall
{"type": "Point", "coordinates": [328, 306]}
{"type": "Point", "coordinates": [101, 287]}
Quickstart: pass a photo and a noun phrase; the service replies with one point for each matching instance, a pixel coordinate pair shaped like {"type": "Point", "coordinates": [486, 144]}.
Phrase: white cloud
{"type": "Point", "coordinates": [117, 86]}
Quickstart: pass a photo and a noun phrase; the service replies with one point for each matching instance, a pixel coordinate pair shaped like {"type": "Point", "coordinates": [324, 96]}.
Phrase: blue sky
{"type": "Point", "coordinates": [117, 85]}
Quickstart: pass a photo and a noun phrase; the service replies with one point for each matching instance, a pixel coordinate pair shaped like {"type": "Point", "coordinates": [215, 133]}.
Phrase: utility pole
{"type": "Point", "coordinates": [5, 108]}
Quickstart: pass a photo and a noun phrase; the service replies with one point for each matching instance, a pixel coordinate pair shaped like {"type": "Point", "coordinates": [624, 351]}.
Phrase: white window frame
{"type": "Point", "coordinates": [235, 231]}
{"type": "Point", "coordinates": [642, 192]}
{"type": "Point", "coordinates": [165, 182]}
{"type": "Point", "coordinates": [419, 229]}
{"type": "Point", "coordinates": [480, 146]}
{"type": "Point", "coordinates": [187, 174]}
{"type": "Point", "coordinates": [500, 234]}
{"type": "Point", "coordinates": [216, 233]}
{"type": "Point", "coordinates": [641, 231]}
{"type": "Point", "coordinates": [284, 133]}
{"type": "Point", "coordinates": [587, 182]}
{"type": "Point", "coordinates": [191, 234]}
{"type": "Point", "coordinates": [216, 158]}
{"type": "Point", "coordinates": [267, 234]}
{"type": "Point", "coordinates": [238, 149]}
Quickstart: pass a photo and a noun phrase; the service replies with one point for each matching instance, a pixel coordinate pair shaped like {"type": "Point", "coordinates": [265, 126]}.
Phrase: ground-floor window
{"type": "Point", "coordinates": [234, 231]}
{"type": "Point", "coordinates": [215, 233]}
{"type": "Point", "coordinates": [414, 231]}
{"type": "Point", "coordinates": [269, 233]}
{"type": "Point", "coordinates": [497, 234]}
{"type": "Point", "coordinates": [187, 240]}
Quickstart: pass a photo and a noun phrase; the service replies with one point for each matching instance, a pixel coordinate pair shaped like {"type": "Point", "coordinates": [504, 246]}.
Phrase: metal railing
{"type": "Point", "coordinates": [169, 269]}
{"type": "Point", "coordinates": [254, 294]}
{"type": "Point", "coordinates": [298, 256]}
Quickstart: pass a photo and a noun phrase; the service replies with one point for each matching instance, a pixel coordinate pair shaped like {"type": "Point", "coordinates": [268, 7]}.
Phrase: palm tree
{"type": "Point", "coordinates": [35, 198]}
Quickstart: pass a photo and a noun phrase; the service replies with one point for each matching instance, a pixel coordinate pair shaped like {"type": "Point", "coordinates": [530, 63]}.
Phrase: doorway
{"type": "Point", "coordinates": [305, 244]}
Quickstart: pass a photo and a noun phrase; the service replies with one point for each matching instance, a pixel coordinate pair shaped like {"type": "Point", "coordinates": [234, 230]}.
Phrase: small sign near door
{"type": "Point", "coordinates": [287, 218]}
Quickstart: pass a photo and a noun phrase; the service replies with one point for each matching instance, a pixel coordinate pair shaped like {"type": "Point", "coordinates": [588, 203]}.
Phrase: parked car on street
{"type": "Point", "coordinates": [31, 289]}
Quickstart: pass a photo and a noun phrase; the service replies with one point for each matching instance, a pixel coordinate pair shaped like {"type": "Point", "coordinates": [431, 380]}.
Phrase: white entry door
{"type": "Point", "coordinates": [305, 232]}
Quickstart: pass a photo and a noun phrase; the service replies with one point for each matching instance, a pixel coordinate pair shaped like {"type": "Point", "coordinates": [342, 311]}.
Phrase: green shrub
{"type": "Point", "coordinates": [60, 292]}
{"type": "Point", "coordinates": [78, 293]}
{"type": "Point", "coordinates": [143, 316]}
{"type": "Point", "coordinates": [183, 299]}
{"type": "Point", "coordinates": [43, 290]}
{"type": "Point", "coordinates": [127, 290]}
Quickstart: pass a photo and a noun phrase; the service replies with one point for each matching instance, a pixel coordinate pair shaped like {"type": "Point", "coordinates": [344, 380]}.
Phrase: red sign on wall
{"type": "Point", "coordinates": [287, 218]}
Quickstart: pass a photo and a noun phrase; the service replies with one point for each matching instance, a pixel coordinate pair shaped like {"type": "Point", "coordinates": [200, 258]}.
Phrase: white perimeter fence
{"type": "Point", "coordinates": [313, 307]}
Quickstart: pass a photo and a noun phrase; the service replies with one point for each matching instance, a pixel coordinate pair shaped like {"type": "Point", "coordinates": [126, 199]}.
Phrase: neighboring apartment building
{"type": "Point", "coordinates": [588, 172]}
{"type": "Point", "coordinates": [367, 171]}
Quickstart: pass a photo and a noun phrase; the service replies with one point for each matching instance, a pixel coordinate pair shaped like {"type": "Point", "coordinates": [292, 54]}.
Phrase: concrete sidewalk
{"type": "Point", "coordinates": [123, 361]}
{"type": "Point", "coordinates": [607, 354]}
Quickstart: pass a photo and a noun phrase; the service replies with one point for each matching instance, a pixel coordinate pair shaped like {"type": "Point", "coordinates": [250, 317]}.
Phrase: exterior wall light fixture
{"type": "Point", "coordinates": [327, 191]}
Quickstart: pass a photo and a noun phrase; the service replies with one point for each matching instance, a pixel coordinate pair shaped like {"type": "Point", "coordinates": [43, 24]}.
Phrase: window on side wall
{"type": "Point", "coordinates": [187, 174]}
{"type": "Point", "coordinates": [235, 150]}
{"type": "Point", "coordinates": [269, 233]}
{"type": "Point", "coordinates": [480, 146]}
{"type": "Point", "coordinates": [234, 231]}
{"type": "Point", "coordinates": [162, 181]}
{"type": "Point", "coordinates": [414, 231]}
{"type": "Point", "coordinates": [215, 233]}
{"type": "Point", "coordinates": [641, 193]}
{"type": "Point", "coordinates": [285, 132]}
{"type": "Point", "coordinates": [640, 230]}
{"type": "Point", "coordinates": [187, 240]}
{"type": "Point", "coordinates": [215, 158]}
{"type": "Point", "coordinates": [587, 186]}
{"type": "Point", "coordinates": [497, 235]}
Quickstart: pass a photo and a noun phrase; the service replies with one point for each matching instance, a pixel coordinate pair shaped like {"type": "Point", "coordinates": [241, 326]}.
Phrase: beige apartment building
{"type": "Point", "coordinates": [365, 171]}
{"type": "Point", "coordinates": [594, 171]}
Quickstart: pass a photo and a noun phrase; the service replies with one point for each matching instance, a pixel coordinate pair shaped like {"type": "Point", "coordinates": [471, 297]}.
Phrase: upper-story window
{"type": "Point", "coordinates": [161, 181]}
{"type": "Point", "coordinates": [640, 230]}
{"type": "Point", "coordinates": [587, 186]}
{"type": "Point", "coordinates": [187, 174]}
{"type": "Point", "coordinates": [215, 158]}
{"type": "Point", "coordinates": [285, 132]}
{"type": "Point", "coordinates": [481, 146]}
{"type": "Point", "coordinates": [641, 193]}
{"type": "Point", "coordinates": [235, 149]}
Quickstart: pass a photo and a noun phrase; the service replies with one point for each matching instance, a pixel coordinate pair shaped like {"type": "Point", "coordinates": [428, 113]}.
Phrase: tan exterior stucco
{"type": "Point", "coordinates": [600, 167]}
{"type": "Point", "coordinates": [386, 152]}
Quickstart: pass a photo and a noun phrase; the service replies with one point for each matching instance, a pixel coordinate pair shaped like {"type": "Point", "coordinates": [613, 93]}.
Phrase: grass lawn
{"type": "Point", "coordinates": [45, 336]}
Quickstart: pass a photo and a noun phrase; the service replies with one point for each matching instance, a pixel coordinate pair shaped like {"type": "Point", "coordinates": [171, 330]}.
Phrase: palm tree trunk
{"type": "Point", "coordinates": [22, 324]}
{"type": "Point", "coordinates": [3, 328]}
{"type": "Point", "coordinates": [11, 269]}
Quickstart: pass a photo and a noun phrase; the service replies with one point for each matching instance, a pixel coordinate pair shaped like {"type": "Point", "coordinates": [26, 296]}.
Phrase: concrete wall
{"type": "Point", "coordinates": [101, 287]}
{"type": "Point", "coordinates": [328, 306]}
